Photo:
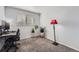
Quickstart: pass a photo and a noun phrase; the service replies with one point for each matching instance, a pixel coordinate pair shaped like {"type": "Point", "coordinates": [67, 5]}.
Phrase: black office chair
{"type": "Point", "coordinates": [11, 42]}
{"type": "Point", "coordinates": [16, 38]}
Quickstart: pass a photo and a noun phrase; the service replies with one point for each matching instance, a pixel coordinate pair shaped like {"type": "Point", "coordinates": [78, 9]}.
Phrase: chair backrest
{"type": "Point", "coordinates": [0, 30]}
{"type": "Point", "coordinates": [18, 34]}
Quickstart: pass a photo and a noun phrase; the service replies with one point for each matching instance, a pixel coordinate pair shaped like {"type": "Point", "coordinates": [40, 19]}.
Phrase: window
{"type": "Point", "coordinates": [20, 17]}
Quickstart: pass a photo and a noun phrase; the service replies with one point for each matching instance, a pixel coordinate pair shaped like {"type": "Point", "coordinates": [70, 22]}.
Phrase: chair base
{"type": "Point", "coordinates": [55, 43]}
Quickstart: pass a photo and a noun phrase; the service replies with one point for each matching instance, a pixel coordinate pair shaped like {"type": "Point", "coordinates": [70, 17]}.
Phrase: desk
{"type": "Point", "coordinates": [4, 37]}
{"type": "Point", "coordinates": [8, 34]}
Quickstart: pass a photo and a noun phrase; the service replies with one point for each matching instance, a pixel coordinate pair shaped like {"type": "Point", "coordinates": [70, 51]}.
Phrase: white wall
{"type": "Point", "coordinates": [2, 13]}
{"type": "Point", "coordinates": [67, 30]}
{"type": "Point", "coordinates": [29, 8]}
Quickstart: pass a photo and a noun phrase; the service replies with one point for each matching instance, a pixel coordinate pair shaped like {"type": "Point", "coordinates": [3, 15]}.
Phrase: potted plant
{"type": "Point", "coordinates": [33, 31]}
{"type": "Point", "coordinates": [42, 32]}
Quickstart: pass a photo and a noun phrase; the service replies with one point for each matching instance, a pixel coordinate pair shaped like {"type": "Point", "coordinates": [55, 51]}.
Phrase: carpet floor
{"type": "Point", "coordinates": [41, 45]}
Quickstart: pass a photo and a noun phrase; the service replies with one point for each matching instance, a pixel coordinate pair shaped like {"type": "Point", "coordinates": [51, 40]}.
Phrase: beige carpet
{"type": "Point", "coordinates": [41, 45]}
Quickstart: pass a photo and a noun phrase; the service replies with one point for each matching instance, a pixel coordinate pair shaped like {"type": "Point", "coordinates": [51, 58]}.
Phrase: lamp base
{"type": "Point", "coordinates": [55, 43]}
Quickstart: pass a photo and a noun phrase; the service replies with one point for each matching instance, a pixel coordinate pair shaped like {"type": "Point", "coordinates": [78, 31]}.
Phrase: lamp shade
{"type": "Point", "coordinates": [54, 21]}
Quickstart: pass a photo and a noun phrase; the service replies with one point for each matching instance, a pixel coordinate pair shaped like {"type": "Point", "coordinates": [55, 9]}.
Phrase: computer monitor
{"type": "Point", "coordinates": [7, 26]}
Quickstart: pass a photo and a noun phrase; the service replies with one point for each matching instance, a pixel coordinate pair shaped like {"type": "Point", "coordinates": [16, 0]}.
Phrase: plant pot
{"type": "Point", "coordinates": [42, 35]}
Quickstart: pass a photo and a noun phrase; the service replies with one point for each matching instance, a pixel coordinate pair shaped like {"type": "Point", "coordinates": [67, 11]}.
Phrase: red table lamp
{"type": "Point", "coordinates": [54, 21]}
